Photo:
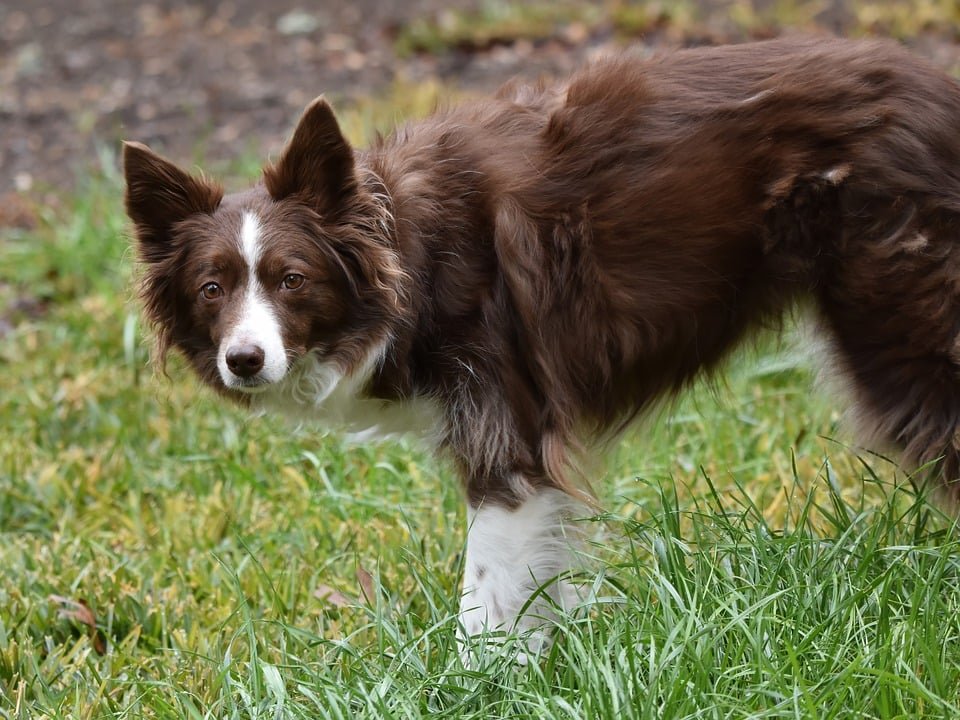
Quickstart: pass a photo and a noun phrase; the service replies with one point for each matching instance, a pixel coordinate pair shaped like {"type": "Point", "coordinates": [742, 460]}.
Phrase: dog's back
{"type": "Point", "coordinates": [646, 215]}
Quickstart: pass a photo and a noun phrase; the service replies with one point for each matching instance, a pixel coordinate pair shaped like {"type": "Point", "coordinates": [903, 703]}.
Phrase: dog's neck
{"type": "Point", "coordinates": [436, 236]}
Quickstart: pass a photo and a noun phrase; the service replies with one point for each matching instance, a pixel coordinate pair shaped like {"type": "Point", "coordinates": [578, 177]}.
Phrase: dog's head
{"type": "Point", "coordinates": [247, 285]}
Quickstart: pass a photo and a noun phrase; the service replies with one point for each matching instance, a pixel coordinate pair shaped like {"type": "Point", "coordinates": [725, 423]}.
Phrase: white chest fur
{"type": "Point", "coordinates": [318, 392]}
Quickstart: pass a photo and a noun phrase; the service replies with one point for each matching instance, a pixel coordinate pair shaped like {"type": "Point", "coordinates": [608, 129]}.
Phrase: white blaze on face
{"type": "Point", "coordinates": [256, 323]}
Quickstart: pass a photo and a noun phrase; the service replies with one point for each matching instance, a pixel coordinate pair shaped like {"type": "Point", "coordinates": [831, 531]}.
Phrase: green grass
{"type": "Point", "coordinates": [496, 22]}
{"type": "Point", "coordinates": [235, 568]}
{"type": "Point", "coordinates": [500, 22]}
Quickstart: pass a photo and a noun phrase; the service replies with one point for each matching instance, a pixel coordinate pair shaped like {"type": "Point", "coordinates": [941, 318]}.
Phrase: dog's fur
{"type": "Point", "coordinates": [516, 276]}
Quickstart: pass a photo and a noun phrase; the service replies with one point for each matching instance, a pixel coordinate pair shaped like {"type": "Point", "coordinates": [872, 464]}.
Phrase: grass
{"type": "Point", "coordinates": [500, 22]}
{"type": "Point", "coordinates": [496, 22]}
{"type": "Point", "coordinates": [164, 556]}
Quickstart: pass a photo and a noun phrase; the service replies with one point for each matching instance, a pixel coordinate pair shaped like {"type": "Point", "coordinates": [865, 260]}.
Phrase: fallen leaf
{"type": "Point", "coordinates": [332, 596]}
{"type": "Point", "coordinates": [365, 581]}
{"type": "Point", "coordinates": [79, 611]}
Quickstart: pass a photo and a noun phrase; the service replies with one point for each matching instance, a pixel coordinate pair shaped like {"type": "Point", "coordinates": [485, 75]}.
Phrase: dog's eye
{"type": "Point", "coordinates": [293, 281]}
{"type": "Point", "coordinates": [211, 291]}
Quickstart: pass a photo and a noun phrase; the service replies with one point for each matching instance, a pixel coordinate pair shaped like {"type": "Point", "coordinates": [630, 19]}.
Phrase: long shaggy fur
{"type": "Point", "coordinates": [545, 264]}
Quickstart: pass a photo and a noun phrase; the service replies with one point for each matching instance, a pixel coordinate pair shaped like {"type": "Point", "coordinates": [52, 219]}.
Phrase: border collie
{"type": "Point", "coordinates": [516, 277]}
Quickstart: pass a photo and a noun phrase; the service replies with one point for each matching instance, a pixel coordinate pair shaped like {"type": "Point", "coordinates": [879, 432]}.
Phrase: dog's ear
{"type": "Point", "coordinates": [159, 195]}
{"type": "Point", "coordinates": [317, 165]}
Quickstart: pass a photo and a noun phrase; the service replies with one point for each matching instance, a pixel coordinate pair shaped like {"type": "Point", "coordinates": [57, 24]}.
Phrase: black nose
{"type": "Point", "coordinates": [245, 360]}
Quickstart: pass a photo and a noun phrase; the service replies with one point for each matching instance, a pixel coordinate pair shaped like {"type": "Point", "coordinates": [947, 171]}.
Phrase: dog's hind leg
{"type": "Point", "coordinates": [891, 302]}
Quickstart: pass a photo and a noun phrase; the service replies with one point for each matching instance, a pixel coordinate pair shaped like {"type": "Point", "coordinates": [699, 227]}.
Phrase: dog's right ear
{"type": "Point", "coordinates": [159, 195]}
{"type": "Point", "coordinates": [317, 164]}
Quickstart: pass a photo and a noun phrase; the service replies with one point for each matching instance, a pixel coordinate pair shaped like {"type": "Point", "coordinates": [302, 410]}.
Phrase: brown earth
{"type": "Point", "coordinates": [78, 73]}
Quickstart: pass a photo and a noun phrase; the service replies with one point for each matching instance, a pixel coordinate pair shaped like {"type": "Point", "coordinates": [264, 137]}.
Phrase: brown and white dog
{"type": "Point", "coordinates": [514, 277]}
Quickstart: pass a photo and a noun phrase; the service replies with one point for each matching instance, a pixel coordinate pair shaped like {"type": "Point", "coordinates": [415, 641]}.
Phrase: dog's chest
{"type": "Point", "coordinates": [319, 394]}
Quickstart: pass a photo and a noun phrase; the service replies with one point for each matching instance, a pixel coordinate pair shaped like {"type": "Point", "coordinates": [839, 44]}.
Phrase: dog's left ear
{"type": "Point", "coordinates": [317, 164]}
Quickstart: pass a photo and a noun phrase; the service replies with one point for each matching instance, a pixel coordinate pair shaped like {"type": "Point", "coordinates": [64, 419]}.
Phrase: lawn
{"type": "Point", "coordinates": [165, 556]}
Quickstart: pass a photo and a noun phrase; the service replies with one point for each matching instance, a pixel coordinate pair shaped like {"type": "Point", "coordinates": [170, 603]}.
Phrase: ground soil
{"type": "Point", "coordinates": [75, 74]}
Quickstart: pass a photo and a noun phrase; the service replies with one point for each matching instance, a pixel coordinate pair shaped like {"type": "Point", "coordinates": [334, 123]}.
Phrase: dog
{"type": "Point", "coordinates": [517, 278]}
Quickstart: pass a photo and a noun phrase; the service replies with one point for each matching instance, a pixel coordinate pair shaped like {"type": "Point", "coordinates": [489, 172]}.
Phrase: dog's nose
{"type": "Point", "coordinates": [245, 360]}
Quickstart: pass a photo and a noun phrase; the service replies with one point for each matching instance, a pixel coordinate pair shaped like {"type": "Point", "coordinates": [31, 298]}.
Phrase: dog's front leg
{"type": "Point", "coordinates": [516, 562]}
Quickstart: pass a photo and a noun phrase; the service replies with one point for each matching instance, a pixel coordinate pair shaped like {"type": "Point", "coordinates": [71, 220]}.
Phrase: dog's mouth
{"type": "Point", "coordinates": [250, 386]}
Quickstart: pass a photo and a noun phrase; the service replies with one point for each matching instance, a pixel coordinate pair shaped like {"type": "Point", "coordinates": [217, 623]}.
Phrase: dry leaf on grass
{"type": "Point", "coordinates": [365, 581]}
{"type": "Point", "coordinates": [79, 611]}
{"type": "Point", "coordinates": [333, 597]}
